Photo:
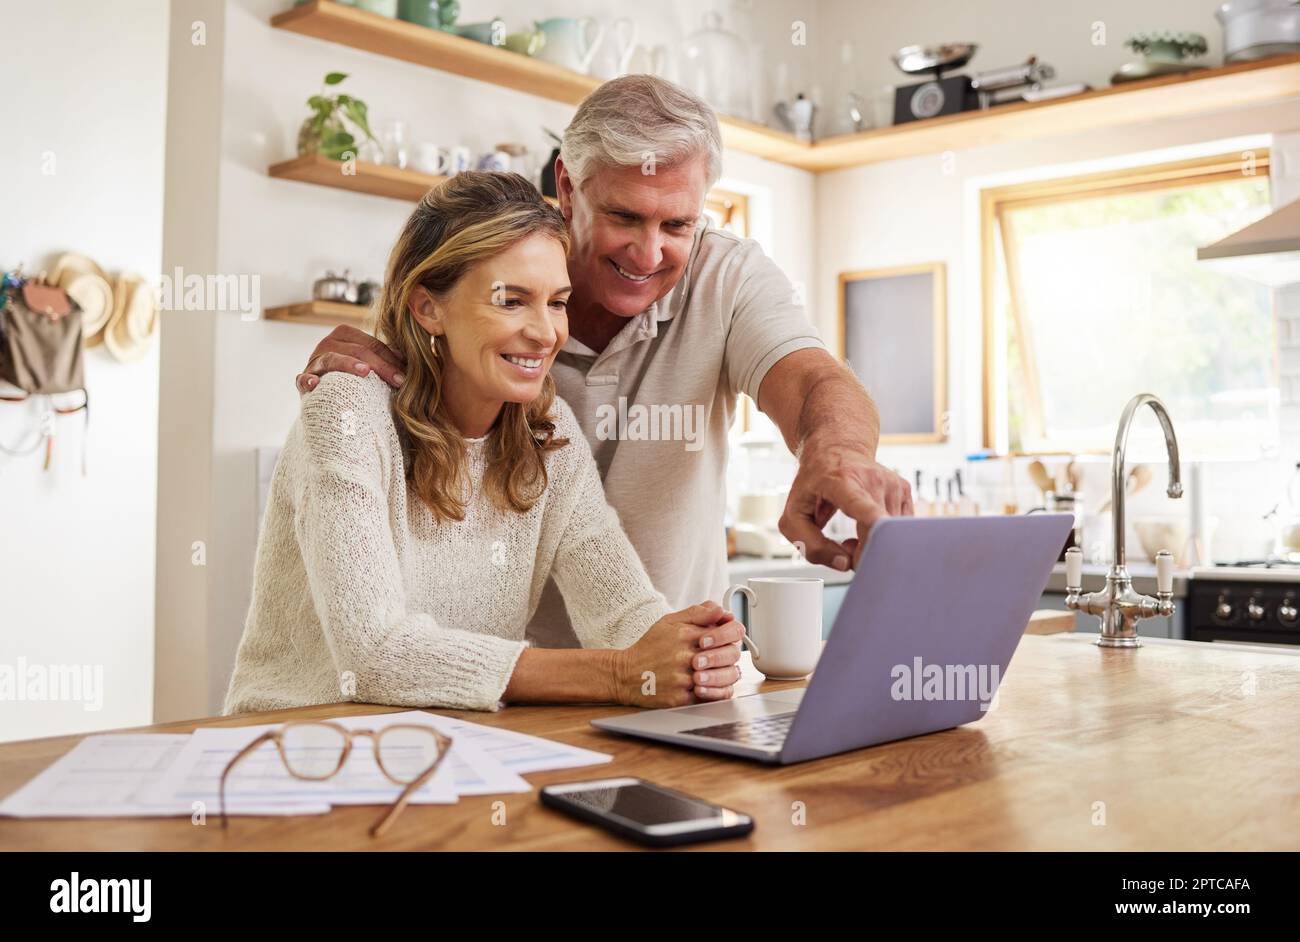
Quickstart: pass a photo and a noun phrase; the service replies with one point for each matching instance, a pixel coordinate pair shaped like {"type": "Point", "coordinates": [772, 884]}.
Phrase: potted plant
{"type": "Point", "coordinates": [326, 131]}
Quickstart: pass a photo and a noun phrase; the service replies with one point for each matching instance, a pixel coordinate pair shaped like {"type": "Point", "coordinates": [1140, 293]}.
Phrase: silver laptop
{"type": "Point", "coordinates": [923, 638]}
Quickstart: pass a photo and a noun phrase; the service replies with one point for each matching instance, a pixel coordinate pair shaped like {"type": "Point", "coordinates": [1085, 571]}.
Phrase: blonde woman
{"type": "Point", "coordinates": [409, 533]}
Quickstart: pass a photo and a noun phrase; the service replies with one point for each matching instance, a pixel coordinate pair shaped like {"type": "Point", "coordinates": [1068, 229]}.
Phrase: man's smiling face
{"type": "Point", "coordinates": [631, 231]}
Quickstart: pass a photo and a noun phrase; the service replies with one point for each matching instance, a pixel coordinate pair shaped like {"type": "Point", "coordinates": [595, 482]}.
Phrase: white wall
{"type": "Point", "coordinates": [86, 84]}
{"type": "Point", "coordinates": [289, 233]}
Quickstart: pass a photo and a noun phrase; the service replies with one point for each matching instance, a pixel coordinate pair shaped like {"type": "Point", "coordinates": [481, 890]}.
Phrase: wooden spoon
{"type": "Point", "coordinates": [1139, 476]}
{"type": "Point", "coordinates": [1038, 473]}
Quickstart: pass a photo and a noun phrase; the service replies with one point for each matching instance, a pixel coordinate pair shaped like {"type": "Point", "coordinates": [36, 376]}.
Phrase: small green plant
{"type": "Point", "coordinates": [1168, 45]}
{"type": "Point", "coordinates": [326, 132]}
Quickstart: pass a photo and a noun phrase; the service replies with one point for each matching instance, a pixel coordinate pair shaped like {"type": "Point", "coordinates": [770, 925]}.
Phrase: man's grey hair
{"type": "Point", "coordinates": [641, 120]}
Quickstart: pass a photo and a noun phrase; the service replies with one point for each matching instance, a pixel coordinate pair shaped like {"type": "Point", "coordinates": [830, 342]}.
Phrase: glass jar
{"type": "Point", "coordinates": [714, 65]}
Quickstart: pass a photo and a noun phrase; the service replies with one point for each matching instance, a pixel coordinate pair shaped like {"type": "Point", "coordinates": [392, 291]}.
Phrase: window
{"type": "Point", "coordinates": [728, 211]}
{"type": "Point", "coordinates": [1092, 294]}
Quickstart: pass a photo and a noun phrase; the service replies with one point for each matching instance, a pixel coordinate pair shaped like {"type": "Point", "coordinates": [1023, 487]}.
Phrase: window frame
{"type": "Point", "coordinates": [995, 201]}
{"type": "Point", "coordinates": [729, 210]}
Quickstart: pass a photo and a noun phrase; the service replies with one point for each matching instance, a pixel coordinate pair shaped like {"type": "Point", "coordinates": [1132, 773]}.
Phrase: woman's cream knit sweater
{"type": "Point", "coordinates": [359, 594]}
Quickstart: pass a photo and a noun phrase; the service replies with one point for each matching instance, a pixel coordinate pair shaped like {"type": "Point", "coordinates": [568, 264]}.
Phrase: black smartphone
{"type": "Point", "coordinates": [647, 813]}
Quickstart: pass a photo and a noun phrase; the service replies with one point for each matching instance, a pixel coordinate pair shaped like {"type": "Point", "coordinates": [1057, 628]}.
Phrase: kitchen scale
{"type": "Point", "coordinates": [938, 95]}
{"type": "Point", "coordinates": [953, 94]}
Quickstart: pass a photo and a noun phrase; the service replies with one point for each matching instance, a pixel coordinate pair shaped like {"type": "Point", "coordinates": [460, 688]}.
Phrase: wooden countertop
{"type": "Point", "coordinates": [1189, 746]}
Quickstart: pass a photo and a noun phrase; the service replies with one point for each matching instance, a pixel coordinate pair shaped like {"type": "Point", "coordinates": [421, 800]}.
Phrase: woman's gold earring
{"type": "Point", "coordinates": [433, 344]}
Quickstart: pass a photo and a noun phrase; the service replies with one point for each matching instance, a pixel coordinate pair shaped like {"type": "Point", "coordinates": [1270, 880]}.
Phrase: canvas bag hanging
{"type": "Point", "coordinates": [41, 351]}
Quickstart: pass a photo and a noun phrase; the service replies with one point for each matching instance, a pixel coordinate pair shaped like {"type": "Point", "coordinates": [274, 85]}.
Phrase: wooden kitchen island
{"type": "Point", "coordinates": [1174, 746]}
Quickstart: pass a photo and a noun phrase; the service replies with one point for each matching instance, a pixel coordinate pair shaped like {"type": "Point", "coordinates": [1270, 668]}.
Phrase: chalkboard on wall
{"type": "Point", "coordinates": [893, 335]}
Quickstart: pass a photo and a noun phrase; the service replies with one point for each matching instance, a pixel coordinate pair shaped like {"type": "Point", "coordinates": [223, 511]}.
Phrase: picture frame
{"type": "Point", "coordinates": [893, 334]}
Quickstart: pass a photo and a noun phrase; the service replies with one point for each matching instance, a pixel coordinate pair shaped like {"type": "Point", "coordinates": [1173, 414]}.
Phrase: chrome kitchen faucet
{"type": "Point", "coordinates": [1118, 605]}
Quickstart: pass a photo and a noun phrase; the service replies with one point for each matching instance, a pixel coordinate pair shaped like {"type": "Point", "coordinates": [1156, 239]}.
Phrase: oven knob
{"type": "Point", "coordinates": [1223, 611]}
{"type": "Point", "coordinates": [1286, 612]}
{"type": "Point", "coordinates": [1254, 610]}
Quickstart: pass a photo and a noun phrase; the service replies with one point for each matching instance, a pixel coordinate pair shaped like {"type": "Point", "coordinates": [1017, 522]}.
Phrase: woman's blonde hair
{"type": "Point", "coordinates": [470, 218]}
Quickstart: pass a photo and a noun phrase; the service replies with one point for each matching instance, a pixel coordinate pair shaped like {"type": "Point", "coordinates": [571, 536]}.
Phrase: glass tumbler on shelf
{"type": "Point", "coordinates": [882, 106]}
{"type": "Point", "coordinates": [848, 112]}
{"type": "Point", "coordinates": [397, 145]}
{"type": "Point", "coordinates": [370, 151]}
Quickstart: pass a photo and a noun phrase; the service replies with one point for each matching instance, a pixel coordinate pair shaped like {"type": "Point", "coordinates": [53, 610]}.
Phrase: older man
{"type": "Point", "coordinates": [669, 319]}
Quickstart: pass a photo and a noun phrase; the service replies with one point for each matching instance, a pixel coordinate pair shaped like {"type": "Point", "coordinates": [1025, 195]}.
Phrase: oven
{"type": "Point", "coordinates": [1245, 605]}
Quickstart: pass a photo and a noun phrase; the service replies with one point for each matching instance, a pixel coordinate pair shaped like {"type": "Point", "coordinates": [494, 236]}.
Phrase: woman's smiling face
{"type": "Point", "coordinates": [503, 322]}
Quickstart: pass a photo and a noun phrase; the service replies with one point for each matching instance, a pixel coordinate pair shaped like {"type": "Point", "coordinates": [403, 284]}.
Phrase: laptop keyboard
{"type": "Point", "coordinates": [767, 730]}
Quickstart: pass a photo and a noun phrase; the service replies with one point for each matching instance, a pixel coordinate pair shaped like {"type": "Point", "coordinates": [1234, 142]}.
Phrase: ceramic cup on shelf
{"type": "Point", "coordinates": [489, 33]}
{"type": "Point", "coordinates": [462, 159]}
{"type": "Point", "coordinates": [511, 156]}
{"type": "Point", "coordinates": [571, 42]}
{"type": "Point", "coordinates": [420, 12]}
{"type": "Point", "coordinates": [432, 159]}
{"type": "Point", "coordinates": [496, 161]}
{"type": "Point", "coordinates": [386, 8]}
{"type": "Point", "coordinates": [526, 43]}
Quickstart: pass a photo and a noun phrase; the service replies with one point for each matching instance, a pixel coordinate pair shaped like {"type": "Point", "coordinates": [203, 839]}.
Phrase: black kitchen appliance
{"type": "Point", "coordinates": [1252, 603]}
{"type": "Point", "coordinates": [938, 95]}
{"type": "Point", "coordinates": [956, 93]}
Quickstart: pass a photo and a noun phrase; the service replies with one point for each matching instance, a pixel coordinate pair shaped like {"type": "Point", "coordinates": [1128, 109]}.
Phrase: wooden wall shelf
{"type": "Point", "coordinates": [1244, 83]}
{"type": "Point", "coordinates": [326, 313]}
{"type": "Point", "coordinates": [434, 49]}
{"type": "Point", "coordinates": [375, 179]}
{"type": "Point", "coordinates": [1205, 92]}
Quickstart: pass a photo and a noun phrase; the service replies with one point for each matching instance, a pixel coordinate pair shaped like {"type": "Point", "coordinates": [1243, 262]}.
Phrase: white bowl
{"type": "Point", "coordinates": [1161, 533]}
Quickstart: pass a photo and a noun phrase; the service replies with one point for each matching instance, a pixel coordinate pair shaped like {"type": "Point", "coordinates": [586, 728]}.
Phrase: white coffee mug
{"type": "Point", "coordinates": [784, 627]}
{"type": "Point", "coordinates": [462, 159]}
{"type": "Point", "coordinates": [430, 158]}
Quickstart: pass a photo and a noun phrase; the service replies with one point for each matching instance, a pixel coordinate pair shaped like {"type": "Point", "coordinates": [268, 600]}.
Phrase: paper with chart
{"type": "Point", "coordinates": [111, 776]}
{"type": "Point", "coordinates": [261, 776]}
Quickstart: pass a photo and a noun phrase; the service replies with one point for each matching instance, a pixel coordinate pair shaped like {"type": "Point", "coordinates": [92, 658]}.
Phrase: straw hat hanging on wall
{"type": "Point", "coordinates": [122, 316]}
{"type": "Point", "coordinates": [86, 283]}
{"type": "Point", "coordinates": [134, 319]}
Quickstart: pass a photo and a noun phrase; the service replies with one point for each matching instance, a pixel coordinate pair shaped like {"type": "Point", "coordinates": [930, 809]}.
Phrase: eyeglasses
{"type": "Point", "coordinates": [314, 751]}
